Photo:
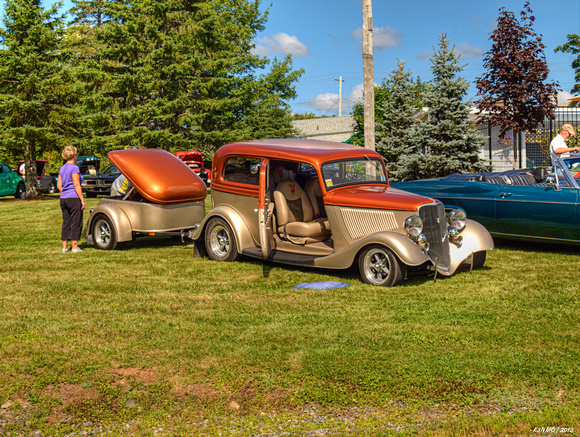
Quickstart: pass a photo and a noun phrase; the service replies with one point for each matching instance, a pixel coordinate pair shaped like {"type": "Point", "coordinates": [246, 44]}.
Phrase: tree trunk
{"type": "Point", "coordinates": [30, 178]}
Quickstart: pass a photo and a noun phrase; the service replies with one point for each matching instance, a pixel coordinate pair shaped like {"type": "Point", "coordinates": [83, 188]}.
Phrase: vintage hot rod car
{"type": "Point", "coordinates": [329, 205]}
{"type": "Point", "coordinates": [516, 204]}
{"type": "Point", "coordinates": [166, 197]}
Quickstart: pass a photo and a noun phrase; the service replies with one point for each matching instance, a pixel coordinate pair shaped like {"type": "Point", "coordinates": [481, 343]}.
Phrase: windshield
{"type": "Point", "coordinates": [574, 165]}
{"type": "Point", "coordinates": [353, 171]}
{"type": "Point", "coordinates": [111, 170]}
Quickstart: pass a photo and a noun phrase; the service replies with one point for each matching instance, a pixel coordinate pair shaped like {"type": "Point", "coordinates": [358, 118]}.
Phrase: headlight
{"type": "Point", "coordinates": [414, 226]}
{"type": "Point", "coordinates": [457, 219]}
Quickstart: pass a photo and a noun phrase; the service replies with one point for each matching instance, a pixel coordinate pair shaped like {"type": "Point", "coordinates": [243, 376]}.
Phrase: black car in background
{"type": "Point", "coordinates": [100, 184]}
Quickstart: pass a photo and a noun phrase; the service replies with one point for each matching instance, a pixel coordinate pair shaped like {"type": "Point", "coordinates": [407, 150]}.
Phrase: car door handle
{"type": "Point", "coordinates": [504, 195]}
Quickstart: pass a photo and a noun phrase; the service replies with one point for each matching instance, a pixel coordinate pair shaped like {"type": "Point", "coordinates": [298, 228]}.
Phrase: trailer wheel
{"type": "Point", "coordinates": [104, 235]}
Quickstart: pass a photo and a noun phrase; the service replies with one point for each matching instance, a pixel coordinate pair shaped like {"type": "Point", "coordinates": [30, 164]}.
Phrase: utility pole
{"type": "Point", "coordinates": [340, 81]}
{"type": "Point", "coordinates": [369, 80]}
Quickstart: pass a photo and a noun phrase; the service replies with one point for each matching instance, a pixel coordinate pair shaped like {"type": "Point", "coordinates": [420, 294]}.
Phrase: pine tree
{"type": "Point", "coordinates": [32, 91]}
{"type": "Point", "coordinates": [176, 75]}
{"type": "Point", "coordinates": [444, 141]}
{"type": "Point", "coordinates": [514, 91]}
{"type": "Point", "coordinates": [382, 95]}
{"type": "Point", "coordinates": [393, 132]}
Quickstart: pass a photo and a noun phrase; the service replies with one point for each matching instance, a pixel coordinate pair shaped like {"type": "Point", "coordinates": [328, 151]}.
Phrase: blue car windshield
{"type": "Point", "coordinates": [110, 170]}
{"type": "Point", "coordinates": [353, 171]}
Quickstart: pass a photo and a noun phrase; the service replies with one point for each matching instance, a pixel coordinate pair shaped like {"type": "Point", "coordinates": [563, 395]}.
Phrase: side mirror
{"type": "Point", "coordinates": [255, 169]}
{"type": "Point", "coordinates": [551, 182]}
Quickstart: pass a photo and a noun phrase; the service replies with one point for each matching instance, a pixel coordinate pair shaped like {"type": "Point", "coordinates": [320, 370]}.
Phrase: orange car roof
{"type": "Point", "coordinates": [159, 176]}
{"type": "Point", "coordinates": [311, 151]}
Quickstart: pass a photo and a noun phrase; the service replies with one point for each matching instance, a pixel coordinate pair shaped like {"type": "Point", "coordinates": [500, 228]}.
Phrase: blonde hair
{"type": "Point", "coordinates": [69, 152]}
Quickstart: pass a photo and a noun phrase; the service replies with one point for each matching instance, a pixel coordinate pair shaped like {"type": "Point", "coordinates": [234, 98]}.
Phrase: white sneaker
{"type": "Point", "coordinates": [64, 250]}
{"type": "Point", "coordinates": [78, 249]}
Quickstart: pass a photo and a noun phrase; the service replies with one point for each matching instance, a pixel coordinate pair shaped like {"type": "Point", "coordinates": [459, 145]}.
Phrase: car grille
{"type": "Point", "coordinates": [98, 182]}
{"type": "Point", "coordinates": [435, 229]}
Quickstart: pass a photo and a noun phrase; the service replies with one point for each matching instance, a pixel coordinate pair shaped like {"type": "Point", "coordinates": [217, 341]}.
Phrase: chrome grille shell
{"type": "Point", "coordinates": [435, 229]}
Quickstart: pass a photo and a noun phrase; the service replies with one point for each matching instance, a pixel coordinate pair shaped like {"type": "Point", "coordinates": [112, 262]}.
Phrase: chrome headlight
{"type": "Point", "coordinates": [423, 243]}
{"type": "Point", "coordinates": [414, 226]}
{"type": "Point", "coordinates": [457, 219]}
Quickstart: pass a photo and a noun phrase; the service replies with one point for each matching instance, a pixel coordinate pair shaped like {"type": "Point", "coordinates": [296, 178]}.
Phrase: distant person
{"type": "Point", "coordinates": [558, 146]}
{"type": "Point", "coordinates": [21, 170]}
{"type": "Point", "coordinates": [72, 202]}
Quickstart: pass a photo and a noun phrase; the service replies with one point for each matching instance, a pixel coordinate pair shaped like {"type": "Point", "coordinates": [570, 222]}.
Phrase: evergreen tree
{"type": "Point", "coordinates": [514, 91]}
{"type": "Point", "coordinates": [382, 94]}
{"type": "Point", "coordinates": [32, 91]}
{"type": "Point", "coordinates": [393, 132]}
{"type": "Point", "coordinates": [177, 75]}
{"type": "Point", "coordinates": [444, 141]}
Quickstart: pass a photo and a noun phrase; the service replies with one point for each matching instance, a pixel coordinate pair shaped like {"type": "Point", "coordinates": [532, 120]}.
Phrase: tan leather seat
{"type": "Point", "coordinates": [314, 194]}
{"type": "Point", "coordinates": [295, 217]}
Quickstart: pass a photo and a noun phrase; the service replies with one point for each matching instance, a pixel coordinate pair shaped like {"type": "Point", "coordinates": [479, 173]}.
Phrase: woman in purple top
{"type": "Point", "coordinates": [72, 202]}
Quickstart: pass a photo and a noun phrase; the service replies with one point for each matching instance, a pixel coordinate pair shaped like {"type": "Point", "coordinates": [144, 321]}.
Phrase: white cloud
{"type": "Point", "coordinates": [329, 102]}
{"type": "Point", "coordinates": [468, 51]}
{"type": "Point", "coordinates": [563, 97]}
{"type": "Point", "coordinates": [282, 44]}
{"type": "Point", "coordinates": [383, 37]}
{"type": "Point", "coordinates": [425, 54]}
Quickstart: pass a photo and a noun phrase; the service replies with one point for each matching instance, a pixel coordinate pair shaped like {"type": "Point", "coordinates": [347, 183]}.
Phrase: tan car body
{"type": "Point", "coordinates": [361, 217]}
{"type": "Point", "coordinates": [168, 198]}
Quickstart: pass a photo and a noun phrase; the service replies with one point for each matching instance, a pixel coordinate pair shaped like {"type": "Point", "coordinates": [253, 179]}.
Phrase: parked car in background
{"type": "Point", "coordinates": [539, 205]}
{"type": "Point", "coordinates": [11, 184]}
{"type": "Point", "coordinates": [89, 165]}
{"type": "Point", "coordinates": [165, 198]}
{"type": "Point", "coordinates": [194, 160]}
{"type": "Point", "coordinates": [100, 184]}
{"type": "Point", "coordinates": [46, 182]}
{"type": "Point", "coordinates": [329, 205]}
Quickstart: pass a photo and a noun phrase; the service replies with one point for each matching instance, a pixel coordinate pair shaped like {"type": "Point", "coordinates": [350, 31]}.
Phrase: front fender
{"type": "Point", "coordinates": [118, 218]}
{"type": "Point", "coordinates": [475, 239]}
{"type": "Point", "coordinates": [241, 231]}
{"type": "Point", "coordinates": [406, 250]}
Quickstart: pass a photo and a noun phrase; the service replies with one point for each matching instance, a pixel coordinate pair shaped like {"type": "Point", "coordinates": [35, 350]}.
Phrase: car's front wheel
{"type": "Point", "coordinates": [479, 259]}
{"type": "Point", "coordinates": [220, 242]}
{"type": "Point", "coordinates": [378, 265]}
{"type": "Point", "coordinates": [104, 235]}
{"type": "Point", "coordinates": [20, 190]}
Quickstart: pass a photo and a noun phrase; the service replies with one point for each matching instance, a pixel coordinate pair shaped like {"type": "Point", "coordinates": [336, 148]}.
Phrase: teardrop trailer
{"type": "Point", "coordinates": [297, 202]}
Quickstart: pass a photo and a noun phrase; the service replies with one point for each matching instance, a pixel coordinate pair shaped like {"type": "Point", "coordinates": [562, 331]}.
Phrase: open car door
{"type": "Point", "coordinates": [265, 211]}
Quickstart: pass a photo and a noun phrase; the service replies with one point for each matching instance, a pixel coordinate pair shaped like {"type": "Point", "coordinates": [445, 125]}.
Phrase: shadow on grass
{"type": "Point", "coordinates": [534, 246]}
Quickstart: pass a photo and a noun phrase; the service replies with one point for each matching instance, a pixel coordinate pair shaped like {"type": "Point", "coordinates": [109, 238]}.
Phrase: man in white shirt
{"type": "Point", "coordinates": [558, 146]}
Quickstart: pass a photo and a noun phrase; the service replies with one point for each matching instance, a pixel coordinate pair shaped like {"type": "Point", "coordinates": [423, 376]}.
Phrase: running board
{"type": "Point", "coordinates": [283, 257]}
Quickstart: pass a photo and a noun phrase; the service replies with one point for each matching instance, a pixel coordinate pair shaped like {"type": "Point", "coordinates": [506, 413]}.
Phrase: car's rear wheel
{"type": "Point", "coordinates": [378, 265]}
{"type": "Point", "coordinates": [479, 259]}
{"type": "Point", "coordinates": [220, 242]}
{"type": "Point", "coordinates": [20, 190]}
{"type": "Point", "coordinates": [104, 235]}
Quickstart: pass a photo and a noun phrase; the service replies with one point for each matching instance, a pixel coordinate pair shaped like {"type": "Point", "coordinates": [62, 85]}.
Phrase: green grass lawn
{"type": "Point", "coordinates": [151, 341]}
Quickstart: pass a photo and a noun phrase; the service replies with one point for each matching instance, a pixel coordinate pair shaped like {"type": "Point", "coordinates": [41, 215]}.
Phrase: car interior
{"type": "Point", "coordinates": [299, 214]}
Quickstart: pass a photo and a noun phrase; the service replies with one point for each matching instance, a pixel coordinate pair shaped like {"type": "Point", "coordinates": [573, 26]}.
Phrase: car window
{"type": "Point", "coordinates": [353, 171]}
{"type": "Point", "coordinates": [5, 169]}
{"type": "Point", "coordinates": [240, 170]}
{"type": "Point", "coordinates": [110, 170]}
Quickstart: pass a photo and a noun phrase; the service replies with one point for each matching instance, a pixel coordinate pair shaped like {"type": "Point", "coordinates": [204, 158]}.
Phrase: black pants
{"type": "Point", "coordinates": [72, 218]}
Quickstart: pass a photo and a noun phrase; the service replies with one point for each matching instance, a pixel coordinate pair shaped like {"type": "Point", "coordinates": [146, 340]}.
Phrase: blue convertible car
{"type": "Point", "coordinates": [535, 204]}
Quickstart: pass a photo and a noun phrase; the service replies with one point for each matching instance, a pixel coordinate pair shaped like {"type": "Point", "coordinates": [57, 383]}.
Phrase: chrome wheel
{"type": "Point", "coordinates": [104, 236]}
{"type": "Point", "coordinates": [220, 241]}
{"type": "Point", "coordinates": [379, 266]}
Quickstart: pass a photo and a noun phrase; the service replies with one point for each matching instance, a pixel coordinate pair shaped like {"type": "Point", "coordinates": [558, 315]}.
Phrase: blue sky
{"type": "Point", "coordinates": [324, 37]}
